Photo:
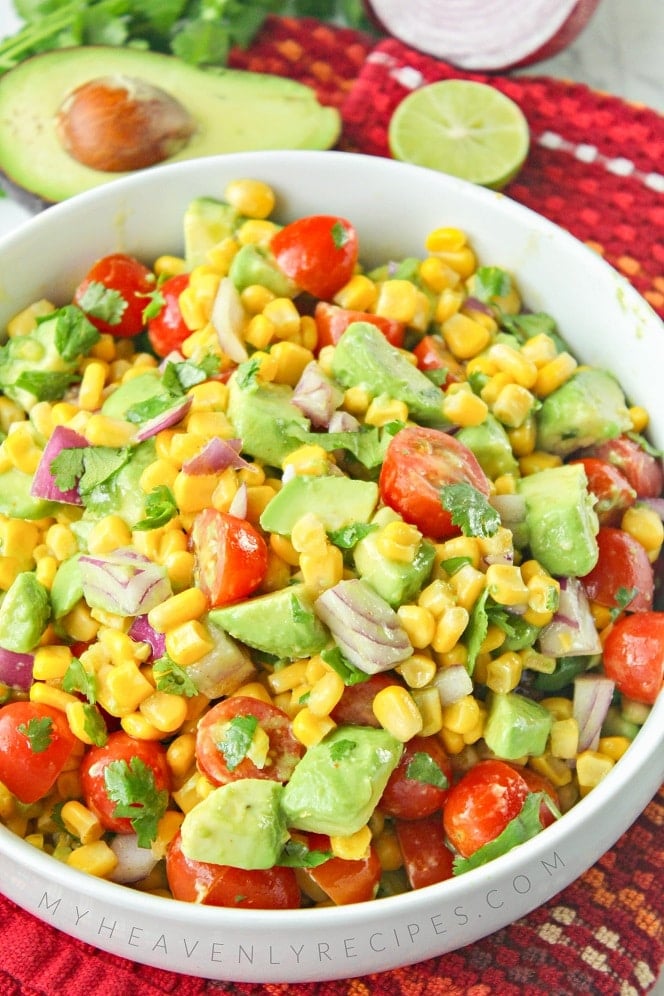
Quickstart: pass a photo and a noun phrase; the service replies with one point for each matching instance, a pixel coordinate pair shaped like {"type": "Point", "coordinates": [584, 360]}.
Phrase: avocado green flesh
{"type": "Point", "coordinates": [234, 111]}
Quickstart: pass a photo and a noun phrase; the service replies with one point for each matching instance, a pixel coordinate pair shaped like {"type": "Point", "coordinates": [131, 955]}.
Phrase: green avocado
{"type": "Point", "coordinates": [67, 587]}
{"type": "Point", "coordinates": [393, 580]}
{"type": "Point", "coordinates": [588, 408]}
{"type": "Point", "coordinates": [16, 500]}
{"type": "Point", "coordinates": [490, 444]}
{"type": "Point", "coordinates": [132, 392]}
{"type": "Point", "coordinates": [231, 111]}
{"type": "Point", "coordinates": [206, 222]}
{"type": "Point", "coordinates": [262, 414]}
{"type": "Point", "coordinates": [25, 612]}
{"type": "Point", "coordinates": [336, 786]}
{"type": "Point", "coordinates": [516, 726]}
{"type": "Point", "coordinates": [337, 501]}
{"type": "Point", "coordinates": [238, 824]}
{"type": "Point", "coordinates": [255, 265]}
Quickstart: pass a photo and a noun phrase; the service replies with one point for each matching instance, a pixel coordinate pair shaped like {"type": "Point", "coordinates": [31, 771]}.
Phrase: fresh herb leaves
{"type": "Point", "coordinates": [172, 678]}
{"type": "Point", "coordinates": [237, 738]}
{"type": "Point", "coordinates": [423, 768]}
{"type": "Point", "coordinates": [160, 508]}
{"type": "Point", "coordinates": [132, 787]}
{"type": "Point", "coordinates": [470, 510]}
{"type": "Point", "coordinates": [38, 731]}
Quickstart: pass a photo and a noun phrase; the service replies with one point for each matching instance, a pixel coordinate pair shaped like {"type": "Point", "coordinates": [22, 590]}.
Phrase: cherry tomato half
{"type": "Point", "coordinates": [318, 253]}
{"type": "Point", "coordinates": [426, 857]}
{"type": "Point", "coordinates": [131, 280]}
{"type": "Point", "coordinates": [35, 744]}
{"type": "Point", "coordinates": [539, 783]}
{"type": "Point", "coordinates": [417, 465]}
{"type": "Point", "coordinates": [634, 655]}
{"type": "Point", "coordinates": [642, 470]}
{"type": "Point", "coordinates": [355, 707]}
{"type": "Point", "coordinates": [332, 321]}
{"type": "Point", "coordinates": [623, 576]}
{"type": "Point", "coordinates": [167, 330]}
{"type": "Point", "coordinates": [230, 556]}
{"type": "Point", "coordinates": [120, 747]}
{"type": "Point", "coordinates": [432, 354]}
{"type": "Point", "coordinates": [220, 742]}
{"type": "Point", "coordinates": [610, 487]}
{"type": "Point", "coordinates": [344, 880]}
{"type": "Point", "coordinates": [411, 793]}
{"type": "Point", "coordinates": [481, 804]}
{"type": "Point", "coordinates": [221, 885]}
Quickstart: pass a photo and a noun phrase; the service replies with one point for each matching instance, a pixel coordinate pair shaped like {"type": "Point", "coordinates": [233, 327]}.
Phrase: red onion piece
{"type": "Point", "coordinates": [365, 628]}
{"type": "Point", "coordinates": [216, 455]}
{"type": "Point", "coordinates": [228, 318]}
{"type": "Point", "coordinates": [592, 697]}
{"type": "Point", "coordinates": [474, 304]}
{"type": "Point", "coordinates": [239, 504]}
{"type": "Point", "coordinates": [141, 631]}
{"type": "Point", "coordinates": [453, 683]}
{"type": "Point", "coordinates": [514, 33]}
{"type": "Point", "coordinates": [343, 422]}
{"type": "Point", "coordinates": [134, 862]}
{"type": "Point", "coordinates": [123, 582]}
{"type": "Point", "coordinates": [164, 420]}
{"type": "Point", "coordinates": [43, 483]}
{"type": "Point", "coordinates": [16, 669]}
{"type": "Point", "coordinates": [316, 396]}
{"type": "Point", "coordinates": [572, 630]}
{"type": "Point", "coordinates": [222, 670]}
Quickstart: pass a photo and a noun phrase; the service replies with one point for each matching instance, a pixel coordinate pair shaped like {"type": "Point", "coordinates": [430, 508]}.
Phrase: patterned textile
{"type": "Point", "coordinates": [593, 168]}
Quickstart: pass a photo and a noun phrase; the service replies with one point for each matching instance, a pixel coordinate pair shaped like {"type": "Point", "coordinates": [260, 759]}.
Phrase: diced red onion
{"type": "Point", "coordinates": [592, 697]}
{"type": "Point", "coordinates": [16, 669]}
{"type": "Point", "coordinates": [43, 483]}
{"type": "Point", "coordinates": [453, 683]}
{"type": "Point", "coordinates": [239, 504]}
{"type": "Point", "coordinates": [343, 422]}
{"type": "Point", "coordinates": [223, 669]}
{"type": "Point", "coordinates": [123, 582]}
{"type": "Point", "coordinates": [474, 304]}
{"type": "Point", "coordinates": [141, 631]}
{"type": "Point", "coordinates": [316, 396]}
{"type": "Point", "coordinates": [365, 628]}
{"type": "Point", "coordinates": [134, 862]}
{"type": "Point", "coordinates": [228, 318]}
{"type": "Point", "coordinates": [164, 420]}
{"type": "Point", "coordinates": [216, 455]}
{"type": "Point", "coordinates": [572, 630]}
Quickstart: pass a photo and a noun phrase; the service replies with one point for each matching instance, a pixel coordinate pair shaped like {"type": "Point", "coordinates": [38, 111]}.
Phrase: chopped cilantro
{"type": "Point", "coordinates": [143, 411]}
{"type": "Point", "coordinates": [172, 678]}
{"type": "Point", "coordinates": [367, 444]}
{"type": "Point", "coordinates": [476, 630]}
{"type": "Point", "coordinates": [246, 374]}
{"type": "Point", "coordinates": [179, 377]}
{"type": "Point", "coordinates": [351, 675]}
{"type": "Point", "coordinates": [103, 302]}
{"type": "Point", "coordinates": [454, 564]}
{"type": "Point", "coordinates": [526, 824]}
{"type": "Point", "coordinates": [295, 854]}
{"type": "Point", "coordinates": [44, 384]}
{"type": "Point", "coordinates": [298, 612]}
{"type": "Point", "coordinates": [38, 732]}
{"type": "Point", "coordinates": [623, 597]}
{"type": "Point", "coordinates": [87, 467]}
{"type": "Point", "coordinates": [423, 768]}
{"type": "Point", "coordinates": [340, 235]}
{"type": "Point", "coordinates": [490, 282]}
{"type": "Point", "coordinates": [160, 507]}
{"type": "Point", "coordinates": [94, 725]}
{"type": "Point", "coordinates": [347, 537]}
{"type": "Point", "coordinates": [132, 787]}
{"type": "Point", "coordinates": [470, 510]}
{"type": "Point", "coordinates": [342, 748]}
{"type": "Point", "coordinates": [74, 334]}
{"type": "Point", "coordinates": [237, 738]}
{"type": "Point", "coordinates": [156, 302]}
{"type": "Point", "coordinates": [77, 679]}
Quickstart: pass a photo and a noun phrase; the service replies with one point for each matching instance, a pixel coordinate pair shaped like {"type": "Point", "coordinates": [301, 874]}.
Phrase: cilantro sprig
{"type": "Point", "coordinates": [526, 824]}
{"type": "Point", "coordinates": [237, 739]}
{"type": "Point", "coordinates": [470, 510]}
{"type": "Point", "coordinates": [132, 787]}
{"type": "Point", "coordinates": [38, 732]}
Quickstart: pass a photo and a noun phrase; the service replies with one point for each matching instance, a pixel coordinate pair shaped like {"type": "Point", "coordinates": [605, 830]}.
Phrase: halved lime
{"type": "Point", "coordinates": [467, 129]}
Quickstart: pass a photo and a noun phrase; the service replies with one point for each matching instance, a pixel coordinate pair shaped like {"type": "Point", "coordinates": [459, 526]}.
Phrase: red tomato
{"type": "Point", "coordinates": [623, 569]}
{"type": "Point", "coordinates": [481, 804]}
{"type": "Point", "coordinates": [609, 485]}
{"type": "Point", "coordinates": [230, 556]}
{"type": "Point", "coordinates": [132, 281]}
{"type": "Point", "coordinates": [213, 730]}
{"type": "Point", "coordinates": [35, 744]}
{"type": "Point", "coordinates": [643, 471]}
{"type": "Point", "coordinates": [417, 465]}
{"type": "Point", "coordinates": [167, 330]}
{"type": "Point", "coordinates": [221, 885]}
{"type": "Point", "coordinates": [538, 783]}
{"type": "Point", "coordinates": [345, 881]}
{"type": "Point", "coordinates": [318, 253]}
{"type": "Point", "coordinates": [426, 857]}
{"type": "Point", "coordinates": [332, 321]}
{"type": "Point", "coordinates": [119, 747]}
{"type": "Point", "coordinates": [406, 795]}
{"type": "Point", "coordinates": [634, 655]}
{"type": "Point", "coordinates": [355, 707]}
{"type": "Point", "coordinates": [432, 354]}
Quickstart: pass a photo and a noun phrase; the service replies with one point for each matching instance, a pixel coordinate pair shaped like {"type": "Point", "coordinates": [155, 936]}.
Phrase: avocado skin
{"type": "Point", "coordinates": [234, 111]}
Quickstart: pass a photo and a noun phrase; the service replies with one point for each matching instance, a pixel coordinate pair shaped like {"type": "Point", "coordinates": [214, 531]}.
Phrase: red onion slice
{"type": "Point", "coordinates": [216, 455]}
{"type": "Point", "coordinates": [142, 632]}
{"type": "Point", "coordinates": [123, 582]}
{"type": "Point", "coordinates": [165, 419]}
{"type": "Point", "coordinates": [572, 630]}
{"type": "Point", "coordinates": [16, 669]}
{"type": "Point", "coordinates": [316, 396]}
{"type": "Point", "coordinates": [134, 862]}
{"type": "Point", "coordinates": [228, 318]}
{"type": "Point", "coordinates": [592, 697]}
{"type": "Point", "coordinates": [43, 482]}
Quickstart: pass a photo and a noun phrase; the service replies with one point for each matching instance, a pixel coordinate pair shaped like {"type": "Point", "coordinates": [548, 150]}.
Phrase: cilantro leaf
{"type": "Point", "coordinates": [74, 334]}
{"type": "Point", "coordinates": [160, 507]}
{"type": "Point", "coordinates": [476, 630]}
{"type": "Point", "coordinates": [469, 509]}
{"type": "Point", "coordinates": [490, 282]}
{"type": "Point", "coordinates": [177, 378]}
{"type": "Point", "coordinates": [342, 748]}
{"type": "Point", "coordinates": [172, 678]}
{"type": "Point", "coordinates": [38, 732]}
{"type": "Point", "coordinates": [525, 326]}
{"type": "Point", "coordinates": [132, 787]}
{"type": "Point", "coordinates": [348, 536]}
{"type": "Point", "coordinates": [526, 824]}
{"type": "Point", "coordinates": [103, 302]}
{"type": "Point", "coordinates": [142, 411]}
{"type": "Point", "coordinates": [44, 384]}
{"type": "Point", "coordinates": [423, 768]}
{"type": "Point", "coordinates": [237, 738]}
{"type": "Point", "coordinates": [454, 564]}
{"type": "Point", "coordinates": [67, 467]}
{"type": "Point", "coordinates": [246, 375]}
{"type": "Point", "coordinates": [156, 302]}
{"type": "Point", "coordinates": [87, 467]}
{"type": "Point", "coordinates": [340, 235]}
{"type": "Point", "coordinates": [297, 855]}
{"type": "Point", "coordinates": [350, 674]}
{"type": "Point", "coordinates": [94, 725]}
{"type": "Point", "coordinates": [623, 597]}
{"type": "Point", "coordinates": [368, 444]}
{"type": "Point", "coordinates": [77, 679]}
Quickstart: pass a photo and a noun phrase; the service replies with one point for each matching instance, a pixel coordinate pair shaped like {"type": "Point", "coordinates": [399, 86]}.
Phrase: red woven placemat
{"type": "Point", "coordinates": [593, 169]}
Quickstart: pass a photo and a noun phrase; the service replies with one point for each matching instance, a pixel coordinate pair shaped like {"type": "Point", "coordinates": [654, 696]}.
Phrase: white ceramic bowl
{"type": "Point", "coordinates": [606, 322]}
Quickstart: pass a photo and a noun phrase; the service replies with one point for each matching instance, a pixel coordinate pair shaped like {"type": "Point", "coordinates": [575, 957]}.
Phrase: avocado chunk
{"type": "Point", "coordinates": [364, 358]}
{"type": "Point", "coordinates": [16, 500]}
{"type": "Point", "coordinates": [207, 221]}
{"type": "Point", "coordinates": [395, 581]}
{"type": "Point", "coordinates": [67, 587]}
{"type": "Point", "coordinates": [282, 623]}
{"type": "Point", "coordinates": [26, 610]}
{"type": "Point", "coordinates": [490, 444]}
{"type": "Point", "coordinates": [561, 520]}
{"type": "Point", "coordinates": [239, 824]}
{"type": "Point", "coordinates": [232, 111]}
{"type": "Point", "coordinates": [256, 265]}
{"type": "Point", "coordinates": [132, 392]}
{"type": "Point", "coordinates": [516, 726]}
{"type": "Point", "coordinates": [336, 786]}
{"type": "Point", "coordinates": [589, 408]}
{"type": "Point", "coordinates": [262, 415]}
{"type": "Point", "coordinates": [336, 501]}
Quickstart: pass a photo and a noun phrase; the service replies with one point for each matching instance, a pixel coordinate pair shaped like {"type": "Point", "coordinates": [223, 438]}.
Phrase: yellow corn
{"type": "Point", "coordinates": [538, 460]}
{"type": "Point", "coordinates": [325, 693]}
{"type": "Point", "coordinates": [398, 300]}
{"type": "Point", "coordinates": [437, 275]}
{"type": "Point", "coordinates": [110, 533]}
{"type": "Point", "coordinates": [645, 526]}
{"type": "Point", "coordinates": [513, 405]}
{"type": "Point", "coordinates": [445, 239]}
{"type": "Point", "coordinates": [308, 535]}
{"type": "Point", "coordinates": [396, 711]}
{"type": "Point", "coordinates": [91, 389]}
{"type": "Point", "coordinates": [461, 716]}
{"type": "Point", "coordinates": [419, 623]}
{"type": "Point", "coordinates": [21, 449]}
{"type": "Point", "coordinates": [81, 822]}
{"type": "Point", "coordinates": [399, 541]}
{"type": "Point", "coordinates": [26, 320]}
{"type": "Point", "coordinates": [178, 609]}
{"type": "Point", "coordinates": [137, 726]}
{"type": "Point", "coordinates": [354, 847]}
{"type": "Point", "coordinates": [284, 549]}
{"type": "Point", "coordinates": [464, 408]}
{"type": "Point", "coordinates": [437, 597]}
{"type": "Point", "coordinates": [359, 294]}
{"type": "Point", "coordinates": [50, 695]}
{"type": "Point", "coordinates": [613, 747]}
{"type": "Point", "coordinates": [187, 643]}
{"type": "Point", "coordinates": [164, 711]}
{"type": "Point", "coordinates": [383, 410]}
{"type": "Point", "coordinates": [505, 584]}
{"type": "Point", "coordinates": [120, 647]}
{"type": "Point", "coordinates": [534, 661]}
{"type": "Point", "coordinates": [291, 359]}
{"type": "Point", "coordinates": [523, 440]}
{"type": "Point", "coordinates": [308, 460]}
{"type": "Point", "coordinates": [181, 755]}
{"type": "Point", "coordinates": [591, 768]}
{"type": "Point", "coordinates": [252, 198]}
{"type": "Point", "coordinates": [96, 858]}
{"type": "Point", "coordinates": [102, 430]}
{"type": "Point", "coordinates": [19, 537]}
{"type": "Point", "coordinates": [464, 336]}
{"type": "Point", "coordinates": [285, 317]}
{"type": "Point", "coordinates": [450, 626]}
{"type": "Point", "coordinates": [357, 400]}
{"type": "Point", "coordinates": [260, 331]}
{"type": "Point", "coordinates": [80, 624]}
{"type": "Point", "coordinates": [10, 412]}
{"type": "Point", "coordinates": [428, 702]}
{"type": "Point", "coordinates": [558, 706]}
{"type": "Point", "coordinates": [310, 728]}
{"type": "Point", "coordinates": [540, 349]}
{"type": "Point", "coordinates": [287, 678]}
{"type": "Point", "coordinates": [554, 374]}
{"type": "Point", "coordinates": [503, 673]}
{"type": "Point", "coordinates": [387, 848]}
{"type": "Point", "coordinates": [51, 663]}
{"type": "Point", "coordinates": [257, 232]}
{"type": "Point", "coordinates": [46, 570]}
{"type": "Point", "coordinates": [640, 418]}
{"type": "Point", "coordinates": [564, 738]}
{"type": "Point", "coordinates": [122, 688]}
{"type": "Point", "coordinates": [522, 370]}
{"type": "Point", "coordinates": [169, 266]}
{"type": "Point", "coordinates": [449, 302]}
{"type": "Point", "coordinates": [495, 637]}
{"type": "Point", "coordinates": [193, 492]}
{"type": "Point", "coordinates": [468, 583]}
{"type": "Point", "coordinates": [467, 547]}
{"type": "Point", "coordinates": [417, 670]}
{"type": "Point", "coordinates": [255, 297]}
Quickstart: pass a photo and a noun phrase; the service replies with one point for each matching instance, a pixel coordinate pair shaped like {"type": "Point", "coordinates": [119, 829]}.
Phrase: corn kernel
{"type": "Point", "coordinates": [449, 302]}
{"type": "Point", "coordinates": [464, 547]}
{"type": "Point", "coordinates": [468, 583]}
{"type": "Point", "coordinates": [564, 738]}
{"type": "Point", "coordinates": [91, 389]}
{"type": "Point", "coordinates": [640, 418]}
{"type": "Point", "coordinates": [165, 711]}
{"type": "Point", "coordinates": [591, 768]}
{"type": "Point", "coordinates": [450, 627]}
{"type": "Point", "coordinates": [109, 533]}
{"type": "Point", "coordinates": [558, 706]}
{"type": "Point", "coordinates": [398, 541]}
{"type": "Point", "coordinates": [553, 374]}
{"type": "Point", "coordinates": [51, 663]}
{"type": "Point", "coordinates": [513, 405]}
{"type": "Point", "coordinates": [359, 294]}
{"type": "Point", "coordinates": [284, 316]}
{"type": "Point", "coordinates": [522, 370]}
{"type": "Point", "coordinates": [178, 609]}
{"type": "Point", "coordinates": [464, 408]}
{"type": "Point", "coordinates": [505, 584]}
{"type": "Point", "coordinates": [437, 597]}
{"type": "Point", "coordinates": [428, 702]}
{"type": "Point", "coordinates": [503, 673]}
{"type": "Point", "coordinates": [461, 716]}
{"type": "Point", "coordinates": [26, 320]}
{"type": "Point", "coordinates": [95, 858]}
{"type": "Point", "coordinates": [354, 847]}
{"type": "Point", "coordinates": [187, 643]}
{"type": "Point", "coordinates": [396, 711]}
{"type": "Point", "coordinates": [419, 624]}
{"type": "Point", "coordinates": [81, 822]}
{"type": "Point", "coordinates": [50, 695]}
{"type": "Point", "coordinates": [181, 755]}
{"type": "Point", "coordinates": [538, 460]}
{"type": "Point", "coordinates": [310, 728]}
{"type": "Point", "coordinates": [387, 848]}
{"type": "Point", "coordinates": [252, 198]}
{"type": "Point", "coordinates": [357, 400]}
{"type": "Point", "coordinates": [613, 747]}
{"type": "Point", "coordinates": [417, 670]}
{"type": "Point", "coordinates": [308, 460]}
{"type": "Point", "coordinates": [193, 492]}
{"type": "Point", "coordinates": [122, 689]}
{"type": "Point", "coordinates": [397, 300]}
{"type": "Point", "coordinates": [437, 275]}
{"type": "Point", "coordinates": [383, 410]}
{"type": "Point", "coordinates": [137, 726]}
{"type": "Point", "coordinates": [645, 526]}
{"type": "Point", "coordinates": [255, 297]}
{"type": "Point", "coordinates": [523, 439]}
{"type": "Point", "coordinates": [464, 336]}
{"type": "Point", "coordinates": [102, 430]}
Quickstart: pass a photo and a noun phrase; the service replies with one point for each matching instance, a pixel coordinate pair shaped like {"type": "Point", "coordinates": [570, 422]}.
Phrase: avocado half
{"type": "Point", "coordinates": [233, 111]}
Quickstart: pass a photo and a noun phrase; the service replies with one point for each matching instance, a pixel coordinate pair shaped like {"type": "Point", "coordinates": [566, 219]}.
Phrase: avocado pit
{"type": "Point", "coordinates": [116, 123]}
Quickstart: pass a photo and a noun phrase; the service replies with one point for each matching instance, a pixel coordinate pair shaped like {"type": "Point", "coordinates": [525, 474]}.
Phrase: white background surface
{"type": "Point", "coordinates": [620, 51]}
